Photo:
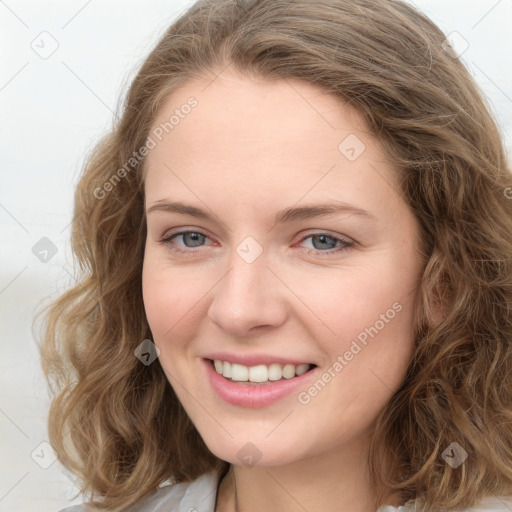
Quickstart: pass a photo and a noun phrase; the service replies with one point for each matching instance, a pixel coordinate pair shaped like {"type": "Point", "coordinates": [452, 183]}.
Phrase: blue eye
{"type": "Point", "coordinates": [326, 241]}
{"type": "Point", "coordinates": [193, 240]}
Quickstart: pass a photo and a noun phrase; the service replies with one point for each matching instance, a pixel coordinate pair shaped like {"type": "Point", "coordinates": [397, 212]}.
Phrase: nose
{"type": "Point", "coordinates": [249, 299]}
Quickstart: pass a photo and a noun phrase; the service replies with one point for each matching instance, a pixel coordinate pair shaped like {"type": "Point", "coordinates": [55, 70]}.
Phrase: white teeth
{"type": "Point", "coordinates": [302, 368]}
{"type": "Point", "coordinates": [225, 369]}
{"type": "Point", "coordinates": [239, 372]}
{"type": "Point", "coordinates": [218, 365]}
{"type": "Point", "coordinates": [275, 372]}
{"type": "Point", "coordinates": [260, 373]}
{"type": "Point", "coordinates": [289, 371]}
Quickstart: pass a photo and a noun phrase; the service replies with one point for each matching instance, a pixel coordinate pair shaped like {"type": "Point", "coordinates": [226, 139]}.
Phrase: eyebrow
{"type": "Point", "coordinates": [292, 214]}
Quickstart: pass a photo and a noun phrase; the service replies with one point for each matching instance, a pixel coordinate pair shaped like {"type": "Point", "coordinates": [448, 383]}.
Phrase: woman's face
{"type": "Point", "coordinates": [266, 282]}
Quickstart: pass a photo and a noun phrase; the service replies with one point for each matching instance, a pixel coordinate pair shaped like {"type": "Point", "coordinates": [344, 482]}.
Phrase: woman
{"type": "Point", "coordinates": [296, 253]}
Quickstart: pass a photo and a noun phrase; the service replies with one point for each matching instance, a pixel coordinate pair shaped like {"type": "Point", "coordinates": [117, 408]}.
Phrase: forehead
{"type": "Point", "coordinates": [237, 108]}
{"type": "Point", "coordinates": [246, 137]}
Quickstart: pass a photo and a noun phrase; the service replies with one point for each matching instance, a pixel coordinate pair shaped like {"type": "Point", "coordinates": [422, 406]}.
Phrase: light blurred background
{"type": "Point", "coordinates": [65, 66]}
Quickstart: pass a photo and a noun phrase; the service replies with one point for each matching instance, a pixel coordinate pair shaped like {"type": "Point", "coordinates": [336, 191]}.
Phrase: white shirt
{"type": "Point", "coordinates": [199, 496]}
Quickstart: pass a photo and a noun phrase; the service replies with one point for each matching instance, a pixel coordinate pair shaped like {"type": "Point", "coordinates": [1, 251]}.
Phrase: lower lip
{"type": "Point", "coordinates": [254, 396]}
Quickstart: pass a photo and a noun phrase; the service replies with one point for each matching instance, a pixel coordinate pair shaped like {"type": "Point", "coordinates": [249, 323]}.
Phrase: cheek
{"type": "Point", "coordinates": [175, 301]}
{"type": "Point", "coordinates": [348, 300]}
{"type": "Point", "coordinates": [166, 296]}
{"type": "Point", "coordinates": [166, 304]}
{"type": "Point", "coordinates": [369, 314]}
{"type": "Point", "coordinates": [158, 298]}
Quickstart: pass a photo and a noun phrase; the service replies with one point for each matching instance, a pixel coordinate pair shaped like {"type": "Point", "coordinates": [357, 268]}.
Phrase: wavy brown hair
{"type": "Point", "coordinates": [117, 423]}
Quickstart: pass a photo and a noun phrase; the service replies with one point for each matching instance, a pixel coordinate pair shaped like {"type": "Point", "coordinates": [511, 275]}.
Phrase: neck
{"type": "Point", "coordinates": [333, 482]}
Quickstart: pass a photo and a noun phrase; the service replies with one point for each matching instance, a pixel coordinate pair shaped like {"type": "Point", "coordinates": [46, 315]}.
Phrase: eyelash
{"type": "Point", "coordinates": [346, 245]}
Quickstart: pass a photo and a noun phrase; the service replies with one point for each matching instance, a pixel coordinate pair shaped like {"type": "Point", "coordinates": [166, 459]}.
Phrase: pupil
{"type": "Point", "coordinates": [323, 238]}
{"type": "Point", "coordinates": [196, 237]}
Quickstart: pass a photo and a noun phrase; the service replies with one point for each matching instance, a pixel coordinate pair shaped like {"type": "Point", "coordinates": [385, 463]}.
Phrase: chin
{"type": "Point", "coordinates": [253, 452]}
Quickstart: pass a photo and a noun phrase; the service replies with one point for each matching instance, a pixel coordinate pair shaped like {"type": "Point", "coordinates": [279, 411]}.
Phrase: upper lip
{"type": "Point", "coordinates": [253, 359]}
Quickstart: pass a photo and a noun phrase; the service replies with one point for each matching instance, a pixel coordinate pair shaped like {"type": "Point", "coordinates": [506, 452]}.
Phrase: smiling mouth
{"type": "Point", "coordinates": [260, 374]}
